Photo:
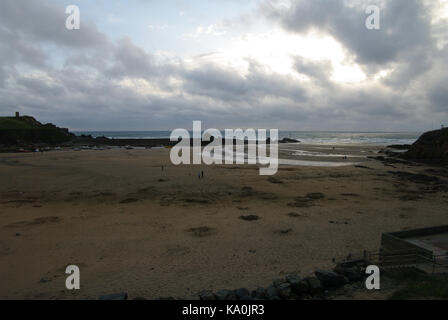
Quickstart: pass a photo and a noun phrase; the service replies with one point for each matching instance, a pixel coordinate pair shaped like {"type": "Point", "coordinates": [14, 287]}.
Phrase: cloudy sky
{"type": "Point", "coordinates": [293, 65]}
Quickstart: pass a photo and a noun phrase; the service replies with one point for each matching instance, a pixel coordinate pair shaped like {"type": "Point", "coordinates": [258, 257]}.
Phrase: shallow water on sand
{"type": "Point", "coordinates": [292, 160]}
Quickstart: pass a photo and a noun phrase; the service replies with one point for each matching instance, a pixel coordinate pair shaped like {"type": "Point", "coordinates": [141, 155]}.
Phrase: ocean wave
{"type": "Point", "coordinates": [305, 137]}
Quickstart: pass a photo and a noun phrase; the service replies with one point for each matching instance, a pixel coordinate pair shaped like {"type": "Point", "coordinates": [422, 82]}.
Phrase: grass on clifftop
{"type": "Point", "coordinates": [12, 123]}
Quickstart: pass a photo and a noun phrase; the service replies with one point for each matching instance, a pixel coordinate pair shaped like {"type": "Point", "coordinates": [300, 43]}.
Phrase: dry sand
{"type": "Point", "coordinates": [131, 227]}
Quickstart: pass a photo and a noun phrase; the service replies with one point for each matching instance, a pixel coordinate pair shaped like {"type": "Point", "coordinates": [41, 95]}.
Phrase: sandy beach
{"type": "Point", "coordinates": [131, 226]}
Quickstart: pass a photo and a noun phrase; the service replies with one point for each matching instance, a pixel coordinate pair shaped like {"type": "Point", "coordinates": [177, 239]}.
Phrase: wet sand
{"type": "Point", "coordinates": [132, 227]}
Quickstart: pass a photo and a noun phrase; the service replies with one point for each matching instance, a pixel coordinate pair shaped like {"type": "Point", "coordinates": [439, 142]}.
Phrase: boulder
{"type": "Point", "coordinates": [206, 295]}
{"type": "Point", "coordinates": [279, 282]}
{"type": "Point", "coordinates": [115, 296]}
{"type": "Point", "coordinates": [284, 291]}
{"type": "Point", "coordinates": [353, 273]}
{"type": "Point", "coordinates": [225, 295]}
{"type": "Point", "coordinates": [299, 286]}
{"type": "Point", "coordinates": [314, 285]}
{"type": "Point", "coordinates": [260, 293]}
{"type": "Point", "coordinates": [330, 279]}
{"type": "Point", "coordinates": [272, 293]}
{"type": "Point", "coordinates": [293, 278]}
{"type": "Point", "coordinates": [242, 294]}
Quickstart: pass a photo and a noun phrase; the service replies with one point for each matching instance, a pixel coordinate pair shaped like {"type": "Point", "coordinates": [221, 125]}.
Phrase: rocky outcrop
{"type": "Point", "coordinates": [431, 147]}
{"type": "Point", "coordinates": [331, 279]}
{"type": "Point", "coordinates": [400, 146]}
{"type": "Point", "coordinates": [27, 130]}
{"type": "Point", "coordinates": [322, 285]}
{"type": "Point", "coordinates": [288, 140]}
{"type": "Point", "coordinates": [115, 296]}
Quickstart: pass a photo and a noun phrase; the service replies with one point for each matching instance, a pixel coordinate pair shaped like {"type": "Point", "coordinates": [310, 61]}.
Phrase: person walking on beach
{"type": "Point", "coordinates": [202, 174]}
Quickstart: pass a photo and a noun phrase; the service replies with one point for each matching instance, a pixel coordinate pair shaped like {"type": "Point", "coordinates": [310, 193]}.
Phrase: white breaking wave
{"type": "Point", "coordinates": [304, 153]}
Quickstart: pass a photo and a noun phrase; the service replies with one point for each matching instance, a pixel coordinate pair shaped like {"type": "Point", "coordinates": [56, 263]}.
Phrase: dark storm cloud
{"type": "Point", "coordinates": [85, 80]}
{"type": "Point", "coordinates": [130, 60]}
{"type": "Point", "coordinates": [30, 28]}
{"type": "Point", "coordinates": [217, 82]}
{"type": "Point", "coordinates": [406, 45]}
{"type": "Point", "coordinates": [43, 21]}
{"type": "Point", "coordinates": [36, 86]}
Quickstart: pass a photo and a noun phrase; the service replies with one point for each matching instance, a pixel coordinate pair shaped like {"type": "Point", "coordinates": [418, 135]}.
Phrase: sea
{"type": "Point", "coordinates": [305, 137]}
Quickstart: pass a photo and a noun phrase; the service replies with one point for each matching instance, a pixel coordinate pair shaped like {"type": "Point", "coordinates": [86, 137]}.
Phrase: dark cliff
{"type": "Point", "coordinates": [27, 130]}
{"type": "Point", "coordinates": [431, 147]}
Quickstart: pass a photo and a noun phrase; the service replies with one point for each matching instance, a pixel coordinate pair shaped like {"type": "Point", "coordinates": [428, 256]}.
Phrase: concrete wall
{"type": "Point", "coordinates": [397, 251]}
{"type": "Point", "coordinates": [420, 232]}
